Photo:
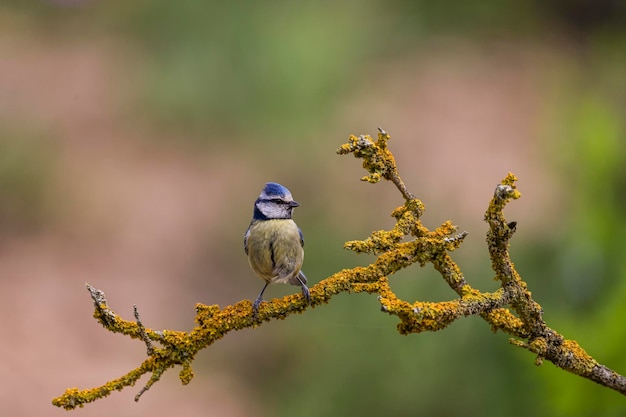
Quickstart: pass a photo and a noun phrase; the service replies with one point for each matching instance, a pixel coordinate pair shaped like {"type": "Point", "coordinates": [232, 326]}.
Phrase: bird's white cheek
{"type": "Point", "coordinates": [272, 211]}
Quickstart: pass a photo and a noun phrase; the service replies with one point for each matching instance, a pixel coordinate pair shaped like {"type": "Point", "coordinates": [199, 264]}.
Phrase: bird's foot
{"type": "Point", "coordinates": [255, 306]}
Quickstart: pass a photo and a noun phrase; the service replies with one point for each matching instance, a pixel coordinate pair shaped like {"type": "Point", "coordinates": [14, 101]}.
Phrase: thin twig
{"type": "Point", "coordinates": [142, 332]}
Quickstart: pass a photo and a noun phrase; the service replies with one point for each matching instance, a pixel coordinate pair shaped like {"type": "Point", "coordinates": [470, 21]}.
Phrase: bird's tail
{"type": "Point", "coordinates": [299, 279]}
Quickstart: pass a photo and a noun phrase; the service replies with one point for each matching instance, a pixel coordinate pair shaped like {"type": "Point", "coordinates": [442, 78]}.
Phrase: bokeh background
{"type": "Point", "coordinates": [135, 136]}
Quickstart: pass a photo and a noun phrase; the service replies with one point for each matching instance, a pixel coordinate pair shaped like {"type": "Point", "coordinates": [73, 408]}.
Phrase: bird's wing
{"type": "Point", "coordinates": [245, 240]}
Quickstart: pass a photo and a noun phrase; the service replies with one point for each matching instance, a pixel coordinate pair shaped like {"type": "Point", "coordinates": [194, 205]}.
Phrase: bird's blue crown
{"type": "Point", "coordinates": [274, 189]}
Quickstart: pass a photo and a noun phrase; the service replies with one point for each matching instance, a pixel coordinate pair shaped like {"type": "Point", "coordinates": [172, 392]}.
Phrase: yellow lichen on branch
{"type": "Point", "coordinates": [510, 308]}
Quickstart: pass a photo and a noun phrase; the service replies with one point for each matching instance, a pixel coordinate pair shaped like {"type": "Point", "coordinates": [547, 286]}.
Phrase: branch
{"type": "Point", "coordinates": [510, 308]}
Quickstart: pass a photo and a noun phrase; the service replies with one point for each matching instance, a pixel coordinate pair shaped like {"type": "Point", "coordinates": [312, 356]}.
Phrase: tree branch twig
{"type": "Point", "coordinates": [510, 308]}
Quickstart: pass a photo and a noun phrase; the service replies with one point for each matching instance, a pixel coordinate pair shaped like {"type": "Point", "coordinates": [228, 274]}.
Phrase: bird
{"type": "Point", "coordinates": [274, 243]}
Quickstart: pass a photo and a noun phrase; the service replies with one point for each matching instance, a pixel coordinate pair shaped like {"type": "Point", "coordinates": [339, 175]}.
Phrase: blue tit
{"type": "Point", "coordinates": [274, 243]}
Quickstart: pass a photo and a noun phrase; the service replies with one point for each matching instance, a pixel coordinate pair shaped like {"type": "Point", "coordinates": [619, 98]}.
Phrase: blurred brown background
{"type": "Point", "coordinates": [135, 137]}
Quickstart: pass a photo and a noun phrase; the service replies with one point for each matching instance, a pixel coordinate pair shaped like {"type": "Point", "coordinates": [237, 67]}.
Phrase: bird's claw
{"type": "Point", "coordinates": [255, 306]}
{"type": "Point", "coordinates": [306, 294]}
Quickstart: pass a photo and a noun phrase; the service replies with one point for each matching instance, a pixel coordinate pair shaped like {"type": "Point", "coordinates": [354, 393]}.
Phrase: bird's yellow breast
{"type": "Point", "coordinates": [275, 250]}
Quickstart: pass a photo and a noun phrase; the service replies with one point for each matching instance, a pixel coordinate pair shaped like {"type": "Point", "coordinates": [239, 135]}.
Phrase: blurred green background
{"type": "Point", "coordinates": [135, 137]}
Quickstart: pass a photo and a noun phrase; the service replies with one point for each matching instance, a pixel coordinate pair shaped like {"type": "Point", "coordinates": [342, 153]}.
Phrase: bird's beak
{"type": "Point", "coordinates": [293, 204]}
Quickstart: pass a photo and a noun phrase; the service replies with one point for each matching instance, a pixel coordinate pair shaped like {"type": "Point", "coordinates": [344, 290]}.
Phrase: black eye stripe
{"type": "Point", "coordinates": [274, 200]}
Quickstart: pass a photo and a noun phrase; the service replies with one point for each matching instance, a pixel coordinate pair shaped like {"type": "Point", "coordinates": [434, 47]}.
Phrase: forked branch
{"type": "Point", "coordinates": [510, 308]}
